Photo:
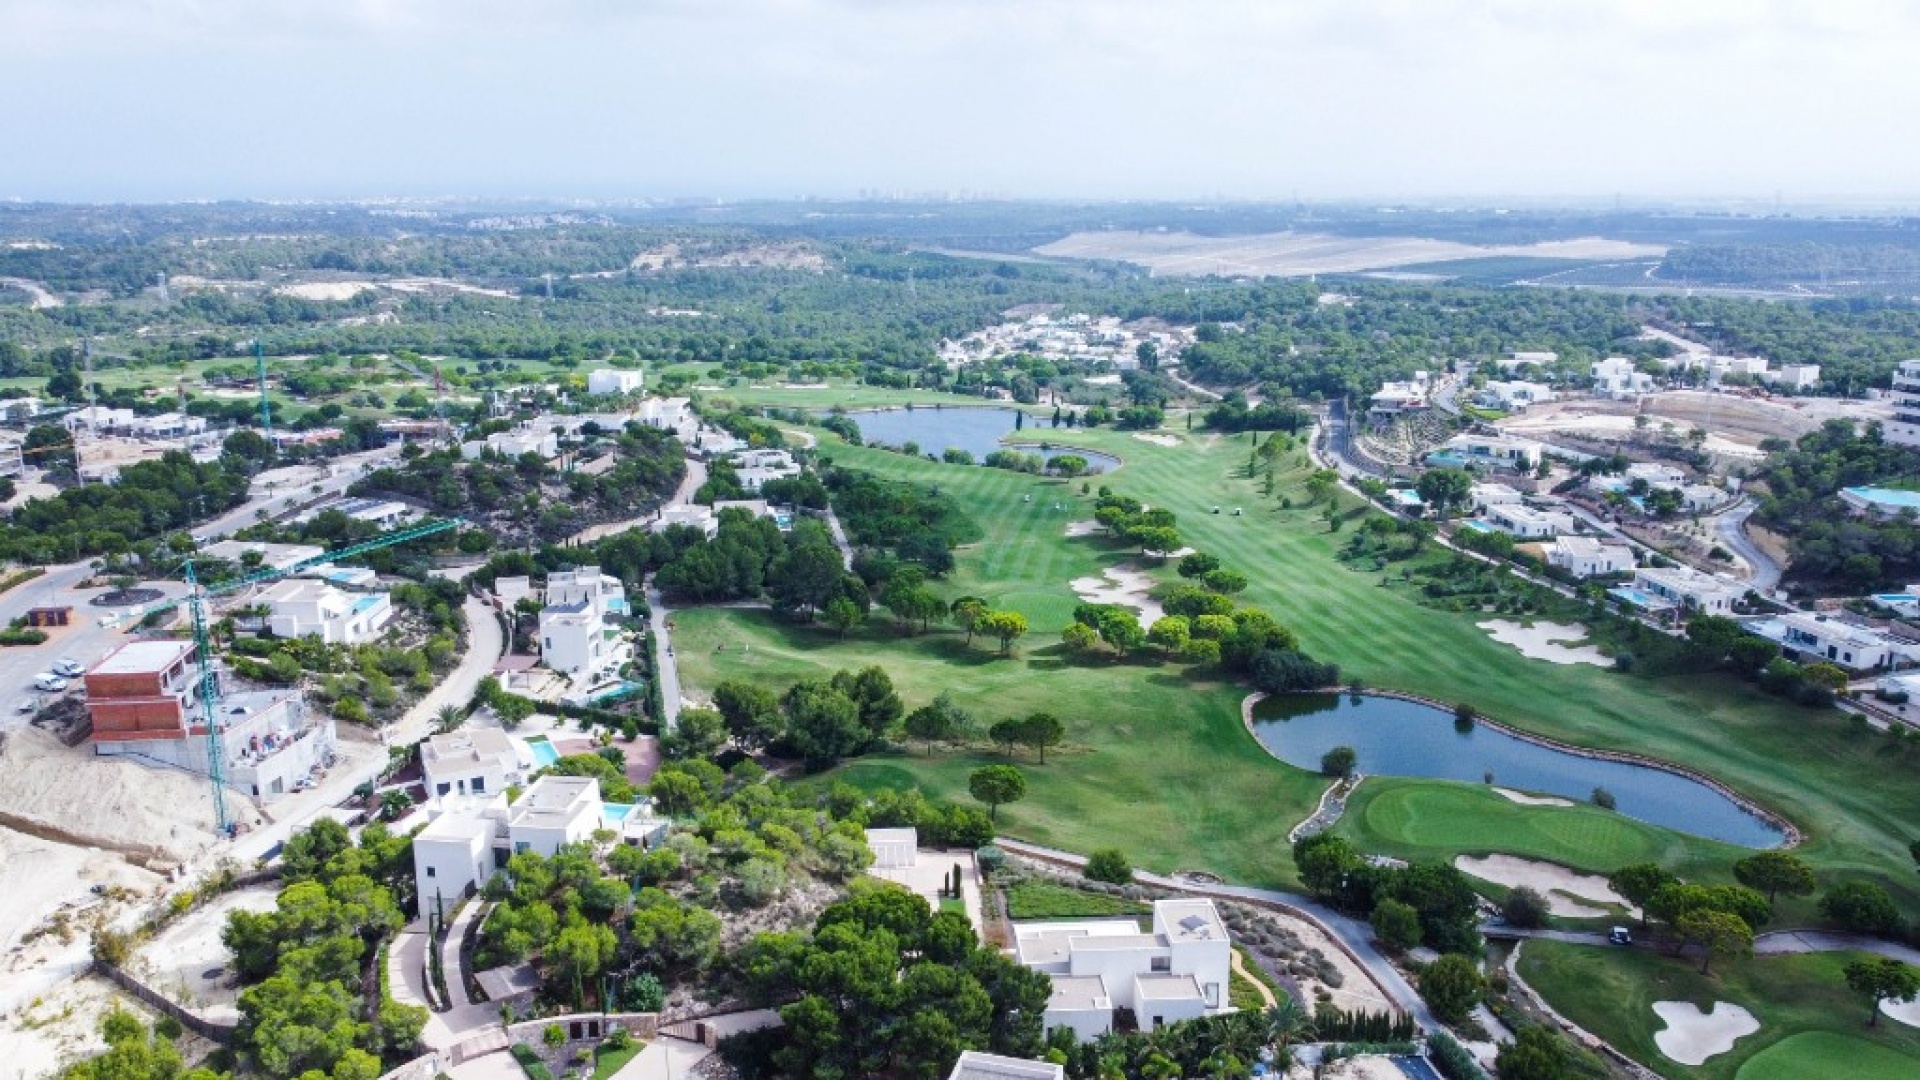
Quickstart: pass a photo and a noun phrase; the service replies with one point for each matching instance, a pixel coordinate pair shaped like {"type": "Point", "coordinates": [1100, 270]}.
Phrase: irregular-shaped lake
{"type": "Point", "coordinates": [1395, 737]}
{"type": "Point", "coordinates": [979, 430]}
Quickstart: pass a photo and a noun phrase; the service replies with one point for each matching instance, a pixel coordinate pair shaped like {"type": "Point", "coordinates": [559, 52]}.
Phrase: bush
{"type": "Point", "coordinates": [1451, 1059]}
{"type": "Point", "coordinates": [1603, 798]}
{"type": "Point", "coordinates": [1862, 908]}
{"type": "Point", "coordinates": [1339, 762]}
{"type": "Point", "coordinates": [1524, 907]}
{"type": "Point", "coordinates": [1109, 864]}
{"type": "Point", "coordinates": [1396, 924]}
{"type": "Point", "coordinates": [1451, 985]}
{"type": "Point", "coordinates": [530, 1062]}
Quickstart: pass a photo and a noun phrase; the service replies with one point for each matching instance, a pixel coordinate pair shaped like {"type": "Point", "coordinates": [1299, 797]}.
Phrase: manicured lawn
{"type": "Point", "coordinates": [1823, 1053]}
{"type": "Point", "coordinates": [608, 1061]}
{"type": "Point", "coordinates": [1046, 900]}
{"type": "Point", "coordinates": [1802, 1002]}
{"type": "Point", "coordinates": [1428, 819]}
{"type": "Point", "coordinates": [1161, 766]}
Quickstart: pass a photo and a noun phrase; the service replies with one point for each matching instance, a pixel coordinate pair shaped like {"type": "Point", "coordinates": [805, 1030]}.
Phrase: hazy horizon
{"type": "Point", "coordinates": [1583, 102]}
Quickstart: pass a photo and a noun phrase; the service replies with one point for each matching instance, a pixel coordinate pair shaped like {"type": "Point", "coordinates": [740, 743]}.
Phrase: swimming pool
{"type": "Point", "coordinates": [1895, 599]}
{"type": "Point", "coordinates": [615, 813]}
{"type": "Point", "coordinates": [544, 753]}
{"type": "Point", "coordinates": [1639, 598]}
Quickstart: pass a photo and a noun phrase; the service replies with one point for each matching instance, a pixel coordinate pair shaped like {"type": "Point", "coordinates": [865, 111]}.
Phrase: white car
{"type": "Point", "coordinates": [49, 682]}
{"type": "Point", "coordinates": [66, 668]}
{"type": "Point", "coordinates": [109, 621]}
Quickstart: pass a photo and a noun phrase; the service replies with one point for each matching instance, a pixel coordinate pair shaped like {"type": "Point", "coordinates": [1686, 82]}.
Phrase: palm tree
{"type": "Point", "coordinates": [448, 718]}
{"type": "Point", "coordinates": [1288, 1023]}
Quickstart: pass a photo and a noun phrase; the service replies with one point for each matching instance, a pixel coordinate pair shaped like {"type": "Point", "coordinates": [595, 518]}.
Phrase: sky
{"type": "Point", "coordinates": [1543, 100]}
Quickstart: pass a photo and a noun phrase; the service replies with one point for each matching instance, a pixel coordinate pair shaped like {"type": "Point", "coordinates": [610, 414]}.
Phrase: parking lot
{"type": "Point", "coordinates": [83, 640]}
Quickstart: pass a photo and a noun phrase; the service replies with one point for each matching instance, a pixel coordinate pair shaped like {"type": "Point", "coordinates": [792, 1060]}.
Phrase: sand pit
{"type": "Point", "coordinates": [1906, 1012]}
{"type": "Point", "coordinates": [1124, 585]}
{"type": "Point", "coordinates": [1556, 643]}
{"type": "Point", "coordinates": [39, 877]}
{"type": "Point", "coordinates": [1568, 892]}
{"type": "Point", "coordinates": [1691, 1036]}
{"type": "Point", "coordinates": [1082, 528]}
{"type": "Point", "coordinates": [1525, 799]}
{"type": "Point", "coordinates": [1157, 439]}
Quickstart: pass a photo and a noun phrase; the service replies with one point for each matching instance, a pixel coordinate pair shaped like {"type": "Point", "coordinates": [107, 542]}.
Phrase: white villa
{"type": "Point", "coordinates": [575, 638]}
{"type": "Point", "coordinates": [1493, 451]}
{"type": "Point", "coordinates": [470, 761]}
{"type": "Point", "coordinates": [1515, 396]}
{"type": "Point", "coordinates": [1794, 376]}
{"type": "Point", "coordinates": [1685, 587]}
{"type": "Point", "coordinates": [1394, 398]}
{"type": "Point", "coordinates": [588, 583]}
{"type": "Point", "coordinates": [272, 556]}
{"type": "Point", "coordinates": [1585, 557]}
{"type": "Point", "coordinates": [1617, 377]}
{"type": "Point", "coordinates": [1482, 496]}
{"type": "Point", "coordinates": [1811, 637]}
{"type": "Point", "coordinates": [611, 381]}
{"type": "Point", "coordinates": [455, 855]}
{"type": "Point", "coordinates": [1527, 523]}
{"type": "Point", "coordinates": [756, 467]}
{"type": "Point", "coordinates": [1521, 358]}
{"type": "Point", "coordinates": [1177, 972]}
{"type": "Point", "coordinates": [302, 607]}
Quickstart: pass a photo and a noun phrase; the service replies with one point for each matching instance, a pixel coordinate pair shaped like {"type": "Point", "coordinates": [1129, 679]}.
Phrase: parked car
{"type": "Point", "coordinates": [109, 621]}
{"type": "Point", "coordinates": [49, 682]}
{"type": "Point", "coordinates": [68, 669]}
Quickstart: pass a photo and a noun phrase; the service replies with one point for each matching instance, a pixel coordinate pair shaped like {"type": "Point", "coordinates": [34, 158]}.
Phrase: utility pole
{"type": "Point", "coordinates": [260, 373]}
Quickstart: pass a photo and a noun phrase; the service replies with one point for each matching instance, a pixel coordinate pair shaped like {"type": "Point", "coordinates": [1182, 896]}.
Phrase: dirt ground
{"type": "Point", "coordinates": [187, 962]}
{"type": "Point", "coordinates": [53, 1031]}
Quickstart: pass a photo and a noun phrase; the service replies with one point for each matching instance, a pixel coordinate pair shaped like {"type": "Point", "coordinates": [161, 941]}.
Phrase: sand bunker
{"type": "Point", "coordinates": [1565, 890]}
{"type": "Point", "coordinates": [1124, 585]}
{"type": "Point", "coordinates": [1157, 439]}
{"type": "Point", "coordinates": [1082, 528]}
{"type": "Point", "coordinates": [1556, 643]}
{"type": "Point", "coordinates": [1691, 1036]}
{"type": "Point", "coordinates": [1907, 1012]}
{"type": "Point", "coordinates": [1525, 799]}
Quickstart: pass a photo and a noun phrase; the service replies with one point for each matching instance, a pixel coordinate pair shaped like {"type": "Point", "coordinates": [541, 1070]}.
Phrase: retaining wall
{"type": "Point", "coordinates": [220, 1033]}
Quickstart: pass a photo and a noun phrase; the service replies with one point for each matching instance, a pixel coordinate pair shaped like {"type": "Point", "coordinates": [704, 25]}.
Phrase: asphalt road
{"type": "Point", "coordinates": [1732, 527]}
{"type": "Point", "coordinates": [83, 641]}
{"type": "Point", "coordinates": [342, 472]}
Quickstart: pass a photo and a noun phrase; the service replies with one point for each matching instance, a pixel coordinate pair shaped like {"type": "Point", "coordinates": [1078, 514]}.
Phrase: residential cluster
{"type": "Point", "coordinates": [1073, 338]}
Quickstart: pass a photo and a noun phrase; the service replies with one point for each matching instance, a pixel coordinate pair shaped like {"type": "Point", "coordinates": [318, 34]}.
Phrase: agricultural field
{"type": "Point", "coordinates": [1160, 763]}
{"type": "Point", "coordinates": [1811, 1024]}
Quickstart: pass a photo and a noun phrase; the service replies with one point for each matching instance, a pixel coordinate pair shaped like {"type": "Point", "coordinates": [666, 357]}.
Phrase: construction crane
{"type": "Point", "coordinates": [439, 390]}
{"type": "Point", "coordinates": [195, 600]}
{"type": "Point", "coordinates": [266, 407]}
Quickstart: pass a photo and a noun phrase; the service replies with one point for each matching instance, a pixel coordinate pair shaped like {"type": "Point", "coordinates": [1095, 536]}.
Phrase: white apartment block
{"type": "Point", "coordinates": [304, 607]}
{"type": "Point", "coordinates": [468, 762]}
{"type": "Point", "coordinates": [1904, 428]}
{"type": "Point", "coordinates": [456, 854]}
{"type": "Point", "coordinates": [610, 381]}
{"type": "Point", "coordinates": [1177, 972]}
{"type": "Point", "coordinates": [1585, 557]}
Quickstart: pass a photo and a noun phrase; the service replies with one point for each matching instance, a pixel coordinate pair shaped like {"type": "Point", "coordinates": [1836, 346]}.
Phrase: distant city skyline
{"type": "Point", "coordinates": [1790, 103]}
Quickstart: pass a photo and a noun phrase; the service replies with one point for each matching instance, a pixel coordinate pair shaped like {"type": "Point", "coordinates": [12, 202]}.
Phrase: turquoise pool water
{"type": "Point", "coordinates": [615, 812]}
{"type": "Point", "coordinates": [1890, 497]}
{"type": "Point", "coordinates": [544, 753]}
{"type": "Point", "coordinates": [1637, 597]}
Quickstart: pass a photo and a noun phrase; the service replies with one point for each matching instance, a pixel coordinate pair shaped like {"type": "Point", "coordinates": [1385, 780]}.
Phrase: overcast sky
{"type": "Point", "coordinates": [1543, 99]}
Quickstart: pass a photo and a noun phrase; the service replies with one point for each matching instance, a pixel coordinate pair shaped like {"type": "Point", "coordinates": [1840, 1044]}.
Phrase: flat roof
{"type": "Point", "coordinates": [141, 657]}
{"type": "Point", "coordinates": [456, 827]}
{"type": "Point", "coordinates": [1165, 987]}
{"type": "Point", "coordinates": [1079, 992]}
{"type": "Point", "coordinates": [1117, 941]}
{"type": "Point", "coordinates": [1189, 920]}
{"type": "Point", "coordinates": [467, 744]}
{"type": "Point", "coordinates": [974, 1065]}
{"type": "Point", "coordinates": [893, 836]}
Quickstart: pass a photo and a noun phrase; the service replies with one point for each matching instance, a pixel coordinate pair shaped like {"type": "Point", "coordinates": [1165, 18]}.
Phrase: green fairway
{"type": "Point", "coordinates": [1822, 1053]}
{"type": "Point", "coordinates": [1157, 745]}
{"type": "Point", "coordinates": [1425, 819]}
{"type": "Point", "coordinates": [1805, 1010]}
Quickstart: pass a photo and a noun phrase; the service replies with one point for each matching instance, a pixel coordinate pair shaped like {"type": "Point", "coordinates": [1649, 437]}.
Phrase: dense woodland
{"type": "Point", "coordinates": [1829, 541]}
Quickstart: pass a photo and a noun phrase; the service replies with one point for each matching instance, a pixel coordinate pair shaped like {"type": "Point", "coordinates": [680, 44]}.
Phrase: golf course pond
{"type": "Point", "coordinates": [979, 430]}
{"type": "Point", "coordinates": [1396, 737]}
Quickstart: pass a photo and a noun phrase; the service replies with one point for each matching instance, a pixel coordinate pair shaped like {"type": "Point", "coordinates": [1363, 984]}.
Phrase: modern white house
{"type": "Point", "coordinates": [271, 556]}
{"type": "Point", "coordinates": [1482, 496]}
{"type": "Point", "coordinates": [587, 583]}
{"type": "Point", "coordinates": [1617, 377]}
{"type": "Point", "coordinates": [692, 515]}
{"type": "Point", "coordinates": [16, 409]}
{"type": "Point", "coordinates": [1656, 474]}
{"type": "Point", "coordinates": [1394, 398]}
{"type": "Point", "coordinates": [465, 844]}
{"type": "Point", "coordinates": [576, 641]}
{"type": "Point", "coordinates": [1522, 358]}
{"type": "Point", "coordinates": [303, 607]}
{"type": "Point", "coordinates": [168, 425]}
{"type": "Point", "coordinates": [100, 420]}
{"type": "Point", "coordinates": [513, 444]}
{"type": "Point", "coordinates": [1585, 556]}
{"type": "Point", "coordinates": [1515, 396]}
{"type": "Point", "coordinates": [1812, 637]}
{"type": "Point", "coordinates": [613, 381]}
{"type": "Point", "coordinates": [1685, 587]}
{"type": "Point", "coordinates": [1489, 451]}
{"type": "Point", "coordinates": [1786, 376]}
{"type": "Point", "coordinates": [975, 1065]}
{"type": "Point", "coordinates": [1527, 523]}
{"type": "Point", "coordinates": [756, 467]}
{"type": "Point", "coordinates": [1179, 971]}
{"type": "Point", "coordinates": [470, 761]}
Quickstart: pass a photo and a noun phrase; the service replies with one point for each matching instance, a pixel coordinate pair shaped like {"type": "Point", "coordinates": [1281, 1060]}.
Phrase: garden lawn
{"type": "Point", "coordinates": [1046, 900]}
{"type": "Point", "coordinates": [1807, 1015]}
{"type": "Point", "coordinates": [1432, 819]}
{"type": "Point", "coordinates": [607, 1061]}
{"type": "Point", "coordinates": [1165, 769]}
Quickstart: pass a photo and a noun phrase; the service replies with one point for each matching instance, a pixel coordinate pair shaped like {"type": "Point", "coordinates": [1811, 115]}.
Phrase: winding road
{"type": "Point", "coordinates": [1732, 529]}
